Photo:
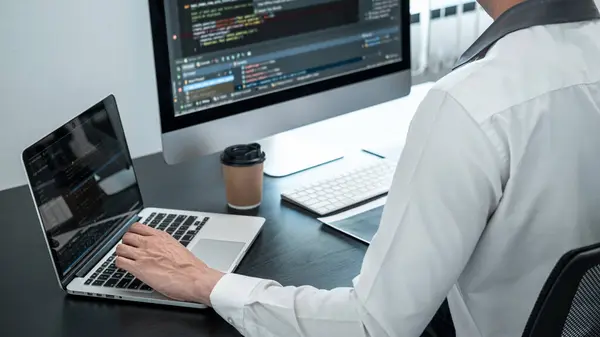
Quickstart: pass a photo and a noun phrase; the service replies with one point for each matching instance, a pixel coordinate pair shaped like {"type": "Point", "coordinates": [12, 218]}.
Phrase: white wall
{"type": "Point", "coordinates": [59, 57]}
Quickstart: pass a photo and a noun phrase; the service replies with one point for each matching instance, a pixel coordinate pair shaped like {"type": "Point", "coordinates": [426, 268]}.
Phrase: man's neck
{"type": "Point", "coordinates": [495, 8]}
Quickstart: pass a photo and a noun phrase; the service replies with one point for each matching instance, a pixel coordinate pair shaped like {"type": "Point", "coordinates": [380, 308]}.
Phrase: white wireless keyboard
{"type": "Point", "coordinates": [344, 189]}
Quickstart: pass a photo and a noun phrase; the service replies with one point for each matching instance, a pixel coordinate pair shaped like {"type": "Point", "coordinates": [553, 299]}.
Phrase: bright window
{"type": "Point", "coordinates": [417, 6]}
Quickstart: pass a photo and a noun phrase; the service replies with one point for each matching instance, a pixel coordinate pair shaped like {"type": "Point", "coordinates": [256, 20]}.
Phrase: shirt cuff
{"type": "Point", "coordinates": [230, 295]}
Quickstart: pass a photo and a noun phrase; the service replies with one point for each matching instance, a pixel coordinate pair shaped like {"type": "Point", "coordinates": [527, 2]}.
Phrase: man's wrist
{"type": "Point", "coordinates": [204, 283]}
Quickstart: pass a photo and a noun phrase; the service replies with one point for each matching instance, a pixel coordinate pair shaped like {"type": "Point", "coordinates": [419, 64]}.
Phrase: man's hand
{"type": "Point", "coordinates": [164, 264]}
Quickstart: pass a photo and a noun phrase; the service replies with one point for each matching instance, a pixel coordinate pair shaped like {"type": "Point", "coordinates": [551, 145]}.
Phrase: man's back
{"type": "Point", "coordinates": [536, 96]}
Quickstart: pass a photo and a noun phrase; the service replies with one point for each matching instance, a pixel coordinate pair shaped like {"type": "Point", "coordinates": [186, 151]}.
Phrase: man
{"type": "Point", "coordinates": [499, 177]}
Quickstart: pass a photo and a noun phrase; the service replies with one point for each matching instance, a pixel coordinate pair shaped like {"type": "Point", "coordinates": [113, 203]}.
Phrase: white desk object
{"type": "Point", "coordinates": [379, 129]}
{"type": "Point", "coordinates": [375, 126]}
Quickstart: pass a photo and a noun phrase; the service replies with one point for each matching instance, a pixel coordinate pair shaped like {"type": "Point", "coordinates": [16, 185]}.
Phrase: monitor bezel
{"type": "Point", "coordinates": [169, 122]}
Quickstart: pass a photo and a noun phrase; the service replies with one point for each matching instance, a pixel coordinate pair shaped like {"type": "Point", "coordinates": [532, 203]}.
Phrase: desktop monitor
{"type": "Point", "coordinates": [237, 71]}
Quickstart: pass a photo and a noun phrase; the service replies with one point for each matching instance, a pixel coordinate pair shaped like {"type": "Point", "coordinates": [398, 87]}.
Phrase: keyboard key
{"type": "Point", "coordinates": [97, 283]}
{"type": "Point", "coordinates": [185, 243]}
{"type": "Point", "coordinates": [180, 231]}
{"type": "Point", "coordinates": [170, 230]}
{"type": "Point", "coordinates": [94, 275]}
{"type": "Point", "coordinates": [303, 199]}
{"type": "Point", "coordinates": [99, 270]}
{"type": "Point", "coordinates": [189, 221]}
{"type": "Point", "coordinates": [105, 264]}
{"type": "Point", "coordinates": [123, 284]}
{"type": "Point", "coordinates": [103, 277]}
{"type": "Point", "coordinates": [118, 275]}
{"type": "Point", "coordinates": [187, 237]}
{"type": "Point", "coordinates": [109, 271]}
{"type": "Point", "coordinates": [177, 236]}
{"type": "Point", "coordinates": [111, 282]}
{"type": "Point", "coordinates": [145, 287]}
{"type": "Point", "coordinates": [320, 204]}
{"type": "Point", "coordinates": [134, 284]}
{"type": "Point", "coordinates": [128, 276]}
{"type": "Point", "coordinates": [311, 202]}
{"type": "Point", "coordinates": [88, 281]}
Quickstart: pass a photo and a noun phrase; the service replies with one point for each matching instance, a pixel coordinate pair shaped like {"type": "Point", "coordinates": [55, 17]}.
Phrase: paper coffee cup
{"type": "Point", "coordinates": [243, 175]}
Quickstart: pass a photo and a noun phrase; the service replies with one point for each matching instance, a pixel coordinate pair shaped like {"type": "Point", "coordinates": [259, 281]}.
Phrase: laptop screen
{"type": "Point", "coordinates": [83, 183]}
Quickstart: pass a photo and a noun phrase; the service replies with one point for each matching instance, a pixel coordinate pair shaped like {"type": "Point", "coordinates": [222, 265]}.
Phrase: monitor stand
{"type": "Point", "coordinates": [288, 154]}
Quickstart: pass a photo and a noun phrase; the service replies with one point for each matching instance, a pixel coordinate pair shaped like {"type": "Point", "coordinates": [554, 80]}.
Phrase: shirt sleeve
{"type": "Point", "coordinates": [447, 184]}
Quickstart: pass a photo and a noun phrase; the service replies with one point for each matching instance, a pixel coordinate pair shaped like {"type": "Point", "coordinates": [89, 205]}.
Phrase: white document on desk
{"type": "Point", "coordinates": [361, 222]}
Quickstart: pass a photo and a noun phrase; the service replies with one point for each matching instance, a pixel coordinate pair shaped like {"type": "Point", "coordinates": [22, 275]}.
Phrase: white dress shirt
{"type": "Point", "coordinates": [499, 177]}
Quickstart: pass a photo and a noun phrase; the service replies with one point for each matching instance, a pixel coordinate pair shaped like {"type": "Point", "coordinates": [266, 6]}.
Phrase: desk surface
{"type": "Point", "coordinates": [293, 248]}
{"type": "Point", "coordinates": [34, 305]}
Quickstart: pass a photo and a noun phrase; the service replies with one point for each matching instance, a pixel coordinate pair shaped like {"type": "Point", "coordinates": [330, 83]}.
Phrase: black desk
{"type": "Point", "coordinates": [293, 249]}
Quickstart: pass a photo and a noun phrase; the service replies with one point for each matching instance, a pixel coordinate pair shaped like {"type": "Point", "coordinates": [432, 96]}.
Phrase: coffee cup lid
{"type": "Point", "coordinates": [243, 155]}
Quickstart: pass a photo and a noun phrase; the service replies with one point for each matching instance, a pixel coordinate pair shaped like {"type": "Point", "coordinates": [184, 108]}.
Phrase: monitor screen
{"type": "Point", "coordinates": [83, 184]}
{"type": "Point", "coordinates": [226, 51]}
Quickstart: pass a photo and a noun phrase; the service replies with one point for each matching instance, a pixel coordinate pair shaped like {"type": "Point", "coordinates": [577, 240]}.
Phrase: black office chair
{"type": "Point", "coordinates": [569, 303]}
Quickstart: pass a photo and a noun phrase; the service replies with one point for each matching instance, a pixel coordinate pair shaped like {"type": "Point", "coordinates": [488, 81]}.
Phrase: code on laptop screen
{"type": "Point", "coordinates": [83, 184]}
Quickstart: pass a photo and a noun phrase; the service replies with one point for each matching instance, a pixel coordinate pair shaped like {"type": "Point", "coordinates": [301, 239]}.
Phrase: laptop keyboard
{"type": "Point", "coordinates": [182, 227]}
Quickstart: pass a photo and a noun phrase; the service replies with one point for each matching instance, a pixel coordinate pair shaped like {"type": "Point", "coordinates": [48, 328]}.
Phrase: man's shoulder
{"type": "Point", "coordinates": [485, 87]}
{"type": "Point", "coordinates": [521, 67]}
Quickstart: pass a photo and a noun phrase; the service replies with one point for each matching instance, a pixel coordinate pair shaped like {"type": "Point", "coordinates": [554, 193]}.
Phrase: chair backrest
{"type": "Point", "coordinates": [569, 303]}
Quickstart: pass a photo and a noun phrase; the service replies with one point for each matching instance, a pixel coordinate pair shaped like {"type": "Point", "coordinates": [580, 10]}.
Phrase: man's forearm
{"type": "Point", "coordinates": [264, 308]}
{"type": "Point", "coordinates": [204, 283]}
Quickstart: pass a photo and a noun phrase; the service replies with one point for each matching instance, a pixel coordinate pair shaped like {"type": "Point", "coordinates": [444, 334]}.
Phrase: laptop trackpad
{"type": "Point", "coordinates": [217, 254]}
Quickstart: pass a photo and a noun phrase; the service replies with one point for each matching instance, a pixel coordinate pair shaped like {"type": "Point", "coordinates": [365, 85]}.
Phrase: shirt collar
{"type": "Point", "coordinates": [529, 14]}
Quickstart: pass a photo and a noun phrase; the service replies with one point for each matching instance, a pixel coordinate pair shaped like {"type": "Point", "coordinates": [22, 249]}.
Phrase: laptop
{"type": "Point", "coordinates": [86, 194]}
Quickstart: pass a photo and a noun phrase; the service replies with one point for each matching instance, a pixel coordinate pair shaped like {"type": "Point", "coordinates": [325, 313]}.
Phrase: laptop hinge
{"type": "Point", "coordinates": [98, 255]}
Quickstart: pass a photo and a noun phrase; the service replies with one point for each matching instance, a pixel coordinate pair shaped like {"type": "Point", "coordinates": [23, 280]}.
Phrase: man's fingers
{"type": "Point", "coordinates": [140, 229]}
{"type": "Point", "coordinates": [132, 239]}
{"type": "Point", "coordinates": [126, 251]}
{"type": "Point", "coordinates": [124, 263]}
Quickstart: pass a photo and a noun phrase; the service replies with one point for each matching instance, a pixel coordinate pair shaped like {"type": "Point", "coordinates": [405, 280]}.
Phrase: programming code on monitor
{"type": "Point", "coordinates": [226, 24]}
{"type": "Point", "coordinates": [222, 51]}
